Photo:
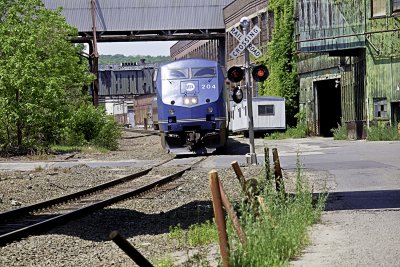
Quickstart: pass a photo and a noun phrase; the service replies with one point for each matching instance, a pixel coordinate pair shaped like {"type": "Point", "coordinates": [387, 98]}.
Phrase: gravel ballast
{"type": "Point", "coordinates": [145, 221]}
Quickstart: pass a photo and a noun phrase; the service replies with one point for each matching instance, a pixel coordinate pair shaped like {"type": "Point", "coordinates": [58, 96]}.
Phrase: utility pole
{"type": "Point", "coordinates": [244, 22]}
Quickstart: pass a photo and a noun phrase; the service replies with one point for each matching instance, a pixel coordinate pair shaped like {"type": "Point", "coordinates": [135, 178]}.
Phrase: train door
{"type": "Point", "coordinates": [328, 106]}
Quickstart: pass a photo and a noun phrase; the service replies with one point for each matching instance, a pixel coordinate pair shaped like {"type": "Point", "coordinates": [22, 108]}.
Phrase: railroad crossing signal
{"type": "Point", "coordinates": [245, 42]}
{"type": "Point", "coordinates": [235, 74]}
{"type": "Point", "coordinates": [260, 73]}
{"type": "Point", "coordinates": [237, 95]}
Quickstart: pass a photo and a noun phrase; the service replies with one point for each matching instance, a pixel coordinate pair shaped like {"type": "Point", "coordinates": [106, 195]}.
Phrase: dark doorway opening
{"type": "Point", "coordinates": [395, 107]}
{"type": "Point", "coordinates": [329, 106]}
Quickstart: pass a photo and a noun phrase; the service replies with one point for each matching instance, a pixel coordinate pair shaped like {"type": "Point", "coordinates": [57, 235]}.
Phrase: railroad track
{"type": "Point", "coordinates": [43, 216]}
{"type": "Point", "coordinates": [142, 131]}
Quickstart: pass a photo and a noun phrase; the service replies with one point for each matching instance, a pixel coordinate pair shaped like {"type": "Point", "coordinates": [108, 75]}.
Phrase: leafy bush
{"type": "Point", "coordinates": [108, 135]}
{"type": "Point", "coordinates": [339, 133]}
{"type": "Point", "coordinates": [383, 132]}
{"type": "Point", "coordinates": [91, 125]}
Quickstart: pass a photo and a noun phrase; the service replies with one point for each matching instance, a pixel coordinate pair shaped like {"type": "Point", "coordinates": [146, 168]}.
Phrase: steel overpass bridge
{"type": "Point", "coordinates": [142, 20]}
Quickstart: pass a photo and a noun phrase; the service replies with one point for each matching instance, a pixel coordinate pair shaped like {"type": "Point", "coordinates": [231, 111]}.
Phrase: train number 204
{"type": "Point", "coordinates": [208, 86]}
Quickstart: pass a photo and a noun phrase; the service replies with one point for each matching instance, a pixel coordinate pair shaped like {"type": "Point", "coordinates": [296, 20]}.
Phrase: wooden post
{"type": "Point", "coordinates": [219, 217]}
{"type": "Point", "coordinates": [267, 165]}
{"type": "Point", "coordinates": [232, 214]}
{"type": "Point", "coordinates": [278, 171]}
{"type": "Point", "coordinates": [239, 174]}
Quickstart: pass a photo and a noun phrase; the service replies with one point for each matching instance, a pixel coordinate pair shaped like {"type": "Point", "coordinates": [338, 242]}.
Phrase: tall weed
{"type": "Point", "coordinates": [279, 230]}
{"type": "Point", "coordinates": [339, 133]}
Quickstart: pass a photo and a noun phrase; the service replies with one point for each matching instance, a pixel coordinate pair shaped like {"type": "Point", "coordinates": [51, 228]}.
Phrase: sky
{"type": "Point", "coordinates": [158, 48]}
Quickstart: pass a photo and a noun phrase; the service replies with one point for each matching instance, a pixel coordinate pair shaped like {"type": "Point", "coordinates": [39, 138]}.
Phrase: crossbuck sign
{"type": "Point", "coordinates": [245, 42]}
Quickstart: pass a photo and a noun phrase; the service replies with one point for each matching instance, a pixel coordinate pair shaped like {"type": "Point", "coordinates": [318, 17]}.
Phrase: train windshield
{"type": "Point", "coordinates": [207, 72]}
{"type": "Point", "coordinates": [176, 74]}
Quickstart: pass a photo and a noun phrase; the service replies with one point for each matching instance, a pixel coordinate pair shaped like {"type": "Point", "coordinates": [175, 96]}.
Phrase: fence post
{"type": "Point", "coordinates": [239, 174]}
{"type": "Point", "coordinates": [232, 214]}
{"type": "Point", "coordinates": [267, 164]}
{"type": "Point", "coordinates": [278, 171]}
{"type": "Point", "coordinates": [219, 217]}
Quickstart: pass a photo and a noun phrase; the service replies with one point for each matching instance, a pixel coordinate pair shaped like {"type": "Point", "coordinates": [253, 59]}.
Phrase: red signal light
{"type": "Point", "coordinates": [260, 73]}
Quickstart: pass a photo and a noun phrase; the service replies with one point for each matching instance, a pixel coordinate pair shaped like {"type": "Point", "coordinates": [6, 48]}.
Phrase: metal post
{"type": "Point", "coordinates": [253, 157]}
{"type": "Point", "coordinates": [129, 249]}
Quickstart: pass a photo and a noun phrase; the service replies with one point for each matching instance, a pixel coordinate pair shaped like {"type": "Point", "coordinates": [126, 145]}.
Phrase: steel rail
{"type": "Point", "coordinates": [48, 224]}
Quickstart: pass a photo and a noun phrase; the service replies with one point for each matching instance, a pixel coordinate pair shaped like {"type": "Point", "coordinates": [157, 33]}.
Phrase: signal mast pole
{"type": "Point", "coordinates": [244, 22]}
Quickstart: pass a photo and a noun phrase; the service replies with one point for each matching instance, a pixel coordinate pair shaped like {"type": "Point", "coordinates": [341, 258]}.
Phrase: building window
{"type": "Point", "coordinates": [380, 108]}
{"type": "Point", "coordinates": [379, 8]}
{"type": "Point", "coordinates": [266, 110]}
{"type": "Point", "coordinates": [396, 6]}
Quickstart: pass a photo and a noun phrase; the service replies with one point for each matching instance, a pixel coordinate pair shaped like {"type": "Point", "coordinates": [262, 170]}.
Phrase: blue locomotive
{"type": "Point", "coordinates": [191, 106]}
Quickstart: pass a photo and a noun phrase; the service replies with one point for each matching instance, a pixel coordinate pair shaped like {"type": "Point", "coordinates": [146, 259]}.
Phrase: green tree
{"type": "Point", "coordinates": [41, 74]}
{"type": "Point", "coordinates": [280, 58]}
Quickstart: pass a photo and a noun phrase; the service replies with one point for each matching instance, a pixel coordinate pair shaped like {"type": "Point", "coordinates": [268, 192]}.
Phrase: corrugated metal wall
{"type": "Point", "coordinates": [117, 80]}
{"type": "Point", "coordinates": [323, 23]}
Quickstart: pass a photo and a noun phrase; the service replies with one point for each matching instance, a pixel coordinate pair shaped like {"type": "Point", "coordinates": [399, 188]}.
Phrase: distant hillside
{"type": "Point", "coordinates": [116, 59]}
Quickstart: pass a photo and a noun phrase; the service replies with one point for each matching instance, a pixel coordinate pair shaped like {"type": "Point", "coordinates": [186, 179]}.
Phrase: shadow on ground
{"type": "Point", "coordinates": [360, 200]}
{"type": "Point", "coordinates": [131, 223]}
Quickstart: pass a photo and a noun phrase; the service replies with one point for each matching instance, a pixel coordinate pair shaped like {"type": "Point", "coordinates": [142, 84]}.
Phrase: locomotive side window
{"type": "Point", "coordinates": [207, 72]}
{"type": "Point", "coordinates": [177, 74]}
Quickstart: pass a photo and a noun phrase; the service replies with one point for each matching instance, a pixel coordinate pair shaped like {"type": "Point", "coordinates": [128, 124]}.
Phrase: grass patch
{"type": "Point", "coordinates": [39, 169]}
{"type": "Point", "coordinates": [197, 234]}
{"type": "Point", "coordinates": [300, 131]}
{"type": "Point", "coordinates": [202, 234]}
{"type": "Point", "coordinates": [278, 230]}
{"type": "Point", "coordinates": [80, 149]}
{"type": "Point", "coordinates": [41, 157]}
{"type": "Point", "coordinates": [176, 232]}
{"type": "Point", "coordinates": [294, 132]}
{"type": "Point", "coordinates": [164, 262]}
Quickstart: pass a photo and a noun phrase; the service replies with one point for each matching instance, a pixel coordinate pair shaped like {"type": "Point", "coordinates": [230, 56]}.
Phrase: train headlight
{"type": "Point", "coordinates": [190, 100]}
{"type": "Point", "coordinates": [210, 109]}
{"type": "Point", "coordinates": [171, 111]}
